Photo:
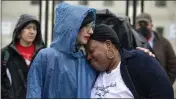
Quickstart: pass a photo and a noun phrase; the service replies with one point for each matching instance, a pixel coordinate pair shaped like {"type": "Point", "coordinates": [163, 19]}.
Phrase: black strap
{"type": "Point", "coordinates": [6, 57]}
{"type": "Point", "coordinates": [6, 93]}
{"type": "Point", "coordinates": [5, 61]}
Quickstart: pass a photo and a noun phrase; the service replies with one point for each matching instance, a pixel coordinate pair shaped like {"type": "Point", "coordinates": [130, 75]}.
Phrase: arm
{"type": "Point", "coordinates": [158, 81]}
{"type": "Point", "coordinates": [151, 78]}
{"type": "Point", "coordinates": [161, 88]}
{"type": "Point", "coordinates": [35, 77]}
{"type": "Point", "coordinates": [171, 61]}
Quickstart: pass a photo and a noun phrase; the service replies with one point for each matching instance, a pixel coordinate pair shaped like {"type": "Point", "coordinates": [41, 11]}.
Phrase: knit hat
{"type": "Point", "coordinates": [103, 32]}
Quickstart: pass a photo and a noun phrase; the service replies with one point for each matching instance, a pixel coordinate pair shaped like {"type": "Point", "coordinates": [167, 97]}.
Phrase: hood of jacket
{"type": "Point", "coordinates": [67, 25]}
{"type": "Point", "coordinates": [24, 20]}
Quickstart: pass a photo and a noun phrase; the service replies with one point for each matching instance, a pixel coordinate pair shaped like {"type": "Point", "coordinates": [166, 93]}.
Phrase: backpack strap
{"type": "Point", "coordinates": [5, 61]}
{"type": "Point", "coordinates": [6, 57]}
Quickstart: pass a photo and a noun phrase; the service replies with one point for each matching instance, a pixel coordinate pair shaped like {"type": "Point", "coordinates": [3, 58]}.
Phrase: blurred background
{"type": "Point", "coordinates": [163, 13]}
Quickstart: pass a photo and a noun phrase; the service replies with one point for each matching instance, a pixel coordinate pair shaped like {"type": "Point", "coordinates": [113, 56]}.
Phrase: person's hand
{"type": "Point", "coordinates": [146, 51]}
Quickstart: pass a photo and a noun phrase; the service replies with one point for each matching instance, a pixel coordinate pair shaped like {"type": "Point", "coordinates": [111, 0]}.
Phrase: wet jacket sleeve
{"type": "Point", "coordinates": [35, 77]}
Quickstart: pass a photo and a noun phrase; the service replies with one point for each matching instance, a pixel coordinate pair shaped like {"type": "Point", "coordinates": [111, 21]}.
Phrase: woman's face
{"type": "Point", "coordinates": [96, 55]}
{"type": "Point", "coordinates": [85, 33]}
{"type": "Point", "coordinates": [29, 33]}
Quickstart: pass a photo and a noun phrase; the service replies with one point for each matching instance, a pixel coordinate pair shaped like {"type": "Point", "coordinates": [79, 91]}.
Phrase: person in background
{"type": "Point", "coordinates": [124, 74]}
{"type": "Point", "coordinates": [160, 45]}
{"type": "Point", "coordinates": [17, 56]}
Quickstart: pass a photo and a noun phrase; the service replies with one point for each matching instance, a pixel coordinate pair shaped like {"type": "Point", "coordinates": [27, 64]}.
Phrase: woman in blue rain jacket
{"type": "Point", "coordinates": [61, 70]}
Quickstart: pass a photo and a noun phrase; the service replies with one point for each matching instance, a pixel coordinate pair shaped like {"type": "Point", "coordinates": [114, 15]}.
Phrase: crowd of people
{"type": "Point", "coordinates": [85, 60]}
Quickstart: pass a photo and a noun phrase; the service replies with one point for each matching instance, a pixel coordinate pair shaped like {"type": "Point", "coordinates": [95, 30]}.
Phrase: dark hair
{"type": "Point", "coordinates": [87, 19]}
{"type": "Point", "coordinates": [103, 32]}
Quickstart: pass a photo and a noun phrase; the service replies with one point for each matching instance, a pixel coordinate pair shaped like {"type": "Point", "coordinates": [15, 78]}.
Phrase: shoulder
{"type": "Point", "coordinates": [160, 38]}
{"type": "Point", "coordinates": [145, 69]}
{"type": "Point", "coordinates": [144, 57]}
{"type": "Point", "coordinates": [134, 56]}
{"type": "Point", "coordinates": [48, 53]}
{"type": "Point", "coordinates": [144, 62]}
{"type": "Point", "coordinates": [43, 57]}
{"type": "Point", "coordinates": [140, 54]}
{"type": "Point", "coordinates": [3, 50]}
{"type": "Point", "coordinates": [146, 65]}
{"type": "Point", "coordinates": [166, 42]}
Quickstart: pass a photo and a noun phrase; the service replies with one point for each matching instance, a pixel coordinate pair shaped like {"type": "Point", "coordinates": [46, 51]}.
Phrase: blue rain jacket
{"type": "Point", "coordinates": [59, 71]}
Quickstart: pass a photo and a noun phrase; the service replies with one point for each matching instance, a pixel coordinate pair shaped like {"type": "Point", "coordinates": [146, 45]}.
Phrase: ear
{"type": "Point", "coordinates": [109, 44]}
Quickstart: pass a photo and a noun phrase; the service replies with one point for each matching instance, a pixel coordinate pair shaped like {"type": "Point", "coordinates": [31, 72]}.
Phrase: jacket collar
{"type": "Point", "coordinates": [125, 55]}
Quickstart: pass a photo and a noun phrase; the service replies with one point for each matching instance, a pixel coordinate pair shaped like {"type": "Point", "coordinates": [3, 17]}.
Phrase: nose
{"type": "Point", "coordinates": [90, 31]}
{"type": "Point", "coordinates": [89, 57]}
{"type": "Point", "coordinates": [32, 30]}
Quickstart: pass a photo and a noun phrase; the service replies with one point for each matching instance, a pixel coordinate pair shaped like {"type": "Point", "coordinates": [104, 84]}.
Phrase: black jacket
{"type": "Point", "coordinates": [16, 64]}
{"type": "Point", "coordinates": [165, 53]}
{"type": "Point", "coordinates": [128, 36]}
{"type": "Point", "coordinates": [144, 76]}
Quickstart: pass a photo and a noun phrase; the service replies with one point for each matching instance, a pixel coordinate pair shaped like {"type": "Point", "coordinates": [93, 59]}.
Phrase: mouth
{"type": "Point", "coordinates": [92, 60]}
{"type": "Point", "coordinates": [87, 37]}
{"type": "Point", "coordinates": [31, 37]}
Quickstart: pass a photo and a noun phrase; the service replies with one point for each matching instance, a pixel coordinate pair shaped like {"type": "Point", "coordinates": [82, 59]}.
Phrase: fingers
{"type": "Point", "coordinates": [143, 49]}
{"type": "Point", "coordinates": [151, 54]}
{"type": "Point", "coordinates": [140, 48]}
{"type": "Point", "coordinates": [146, 51]}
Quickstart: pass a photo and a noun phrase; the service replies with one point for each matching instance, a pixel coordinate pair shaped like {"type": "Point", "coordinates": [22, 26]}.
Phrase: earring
{"type": "Point", "coordinates": [112, 55]}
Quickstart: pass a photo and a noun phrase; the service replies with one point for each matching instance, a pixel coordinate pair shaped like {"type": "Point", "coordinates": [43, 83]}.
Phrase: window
{"type": "Point", "coordinates": [108, 3]}
{"type": "Point", "coordinates": [160, 30]}
{"type": "Point", "coordinates": [160, 3]}
{"type": "Point", "coordinates": [83, 2]}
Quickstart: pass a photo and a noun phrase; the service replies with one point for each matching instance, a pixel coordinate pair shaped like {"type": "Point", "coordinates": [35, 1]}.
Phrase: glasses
{"type": "Point", "coordinates": [89, 26]}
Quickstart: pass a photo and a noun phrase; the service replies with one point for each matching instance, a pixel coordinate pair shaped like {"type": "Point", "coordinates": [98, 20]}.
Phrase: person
{"type": "Point", "coordinates": [124, 74]}
{"type": "Point", "coordinates": [160, 45]}
{"type": "Point", "coordinates": [17, 56]}
{"type": "Point", "coordinates": [61, 70]}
